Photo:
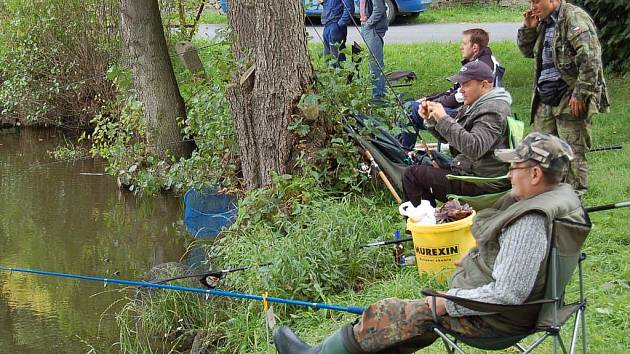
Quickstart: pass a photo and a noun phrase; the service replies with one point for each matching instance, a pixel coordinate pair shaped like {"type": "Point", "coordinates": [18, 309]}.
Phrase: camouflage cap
{"type": "Point", "coordinates": [547, 150]}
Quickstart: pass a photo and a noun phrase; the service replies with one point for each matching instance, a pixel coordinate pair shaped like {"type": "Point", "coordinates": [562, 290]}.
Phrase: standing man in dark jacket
{"type": "Point", "coordinates": [479, 128]}
{"type": "Point", "coordinates": [373, 28]}
{"type": "Point", "coordinates": [336, 15]}
{"type": "Point", "coordinates": [507, 266]}
{"type": "Point", "coordinates": [474, 47]}
{"type": "Point", "coordinates": [569, 84]}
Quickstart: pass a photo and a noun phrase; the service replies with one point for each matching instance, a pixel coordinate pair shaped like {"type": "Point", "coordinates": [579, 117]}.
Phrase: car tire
{"type": "Point", "coordinates": [392, 12]}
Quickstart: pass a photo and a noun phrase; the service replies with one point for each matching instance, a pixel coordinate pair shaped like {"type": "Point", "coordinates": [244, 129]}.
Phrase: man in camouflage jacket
{"type": "Point", "coordinates": [569, 88]}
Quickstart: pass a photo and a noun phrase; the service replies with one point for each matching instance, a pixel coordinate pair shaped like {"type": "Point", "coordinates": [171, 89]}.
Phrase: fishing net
{"type": "Point", "coordinates": [206, 212]}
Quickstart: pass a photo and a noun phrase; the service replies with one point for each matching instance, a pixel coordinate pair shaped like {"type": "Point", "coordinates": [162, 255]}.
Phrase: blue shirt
{"type": "Point", "coordinates": [338, 11]}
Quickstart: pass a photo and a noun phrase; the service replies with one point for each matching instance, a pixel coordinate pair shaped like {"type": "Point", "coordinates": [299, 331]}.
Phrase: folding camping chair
{"type": "Point", "coordinates": [393, 158]}
{"type": "Point", "coordinates": [387, 151]}
{"type": "Point", "coordinates": [552, 312]}
{"type": "Point", "coordinates": [516, 130]}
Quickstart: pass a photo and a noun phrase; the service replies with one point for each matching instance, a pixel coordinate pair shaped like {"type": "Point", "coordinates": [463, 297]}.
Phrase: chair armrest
{"type": "Point", "coordinates": [475, 179]}
{"type": "Point", "coordinates": [506, 310]}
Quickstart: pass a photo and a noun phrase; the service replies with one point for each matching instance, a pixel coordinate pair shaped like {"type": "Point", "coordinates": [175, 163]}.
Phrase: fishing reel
{"type": "Point", "coordinates": [211, 280]}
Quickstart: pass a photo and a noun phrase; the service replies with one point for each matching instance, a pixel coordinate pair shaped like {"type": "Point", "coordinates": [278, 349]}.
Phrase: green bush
{"type": "Point", "coordinates": [53, 55]}
{"type": "Point", "coordinates": [612, 17]}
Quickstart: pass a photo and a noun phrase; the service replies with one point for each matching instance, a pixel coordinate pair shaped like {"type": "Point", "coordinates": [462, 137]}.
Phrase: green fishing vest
{"type": "Point", "coordinates": [477, 265]}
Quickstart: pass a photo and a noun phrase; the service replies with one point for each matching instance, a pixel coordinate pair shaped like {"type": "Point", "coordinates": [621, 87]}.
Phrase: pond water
{"type": "Point", "coordinates": [61, 217]}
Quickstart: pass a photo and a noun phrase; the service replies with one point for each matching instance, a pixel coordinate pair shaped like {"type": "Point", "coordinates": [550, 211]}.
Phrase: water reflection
{"type": "Point", "coordinates": [54, 218]}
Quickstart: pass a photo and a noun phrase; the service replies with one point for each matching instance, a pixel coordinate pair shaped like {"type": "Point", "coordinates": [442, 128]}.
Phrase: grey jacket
{"type": "Point", "coordinates": [377, 16]}
{"type": "Point", "coordinates": [475, 133]}
{"type": "Point", "coordinates": [479, 263]}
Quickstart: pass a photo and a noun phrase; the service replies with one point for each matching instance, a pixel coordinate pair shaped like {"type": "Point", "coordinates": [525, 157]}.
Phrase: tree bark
{"type": "Point", "coordinates": [154, 78]}
{"type": "Point", "coordinates": [273, 71]}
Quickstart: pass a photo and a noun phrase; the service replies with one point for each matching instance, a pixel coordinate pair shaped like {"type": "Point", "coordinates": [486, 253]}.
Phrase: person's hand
{"type": "Point", "coordinates": [436, 111]}
{"type": "Point", "coordinates": [440, 305]}
{"type": "Point", "coordinates": [423, 110]}
{"type": "Point", "coordinates": [364, 19]}
{"type": "Point", "coordinates": [530, 20]}
{"type": "Point", "coordinates": [320, 1]}
{"type": "Point", "coordinates": [578, 107]}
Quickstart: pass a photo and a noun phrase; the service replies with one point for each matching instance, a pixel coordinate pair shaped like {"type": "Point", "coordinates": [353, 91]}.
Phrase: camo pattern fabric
{"type": "Point", "coordinates": [576, 131]}
{"type": "Point", "coordinates": [403, 326]}
{"type": "Point", "coordinates": [548, 150]}
{"type": "Point", "coordinates": [578, 57]}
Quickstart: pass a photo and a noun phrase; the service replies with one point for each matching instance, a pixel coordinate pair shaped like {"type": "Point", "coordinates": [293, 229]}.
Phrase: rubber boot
{"type": "Point", "coordinates": [288, 343]}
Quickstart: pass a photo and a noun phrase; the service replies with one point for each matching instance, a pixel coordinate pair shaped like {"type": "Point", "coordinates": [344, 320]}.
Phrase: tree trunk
{"type": "Point", "coordinates": [274, 69]}
{"type": "Point", "coordinates": [154, 78]}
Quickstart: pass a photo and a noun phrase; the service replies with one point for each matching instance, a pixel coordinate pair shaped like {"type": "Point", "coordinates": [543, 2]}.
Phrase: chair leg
{"type": "Point", "coordinates": [576, 329]}
{"type": "Point", "coordinates": [537, 343]}
{"type": "Point", "coordinates": [520, 347]}
{"type": "Point", "coordinates": [559, 337]}
{"type": "Point", "coordinates": [583, 316]}
{"type": "Point", "coordinates": [450, 345]}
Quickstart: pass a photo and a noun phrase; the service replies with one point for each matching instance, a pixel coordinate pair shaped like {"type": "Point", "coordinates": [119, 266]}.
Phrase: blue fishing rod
{"type": "Point", "coordinates": [316, 305]}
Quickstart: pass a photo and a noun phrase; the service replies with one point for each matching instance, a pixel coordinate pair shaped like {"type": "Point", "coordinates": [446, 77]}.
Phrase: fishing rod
{"type": "Point", "coordinates": [608, 207]}
{"type": "Point", "coordinates": [606, 148]}
{"type": "Point", "coordinates": [383, 176]}
{"type": "Point", "coordinates": [588, 210]}
{"type": "Point", "coordinates": [382, 243]}
{"type": "Point", "coordinates": [315, 305]}
{"type": "Point", "coordinates": [206, 278]}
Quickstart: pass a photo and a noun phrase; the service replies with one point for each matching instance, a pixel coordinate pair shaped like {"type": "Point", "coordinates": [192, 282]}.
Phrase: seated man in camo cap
{"type": "Point", "coordinates": [507, 267]}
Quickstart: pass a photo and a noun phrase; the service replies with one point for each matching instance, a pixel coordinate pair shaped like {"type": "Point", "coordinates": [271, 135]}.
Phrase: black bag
{"type": "Point", "coordinates": [552, 92]}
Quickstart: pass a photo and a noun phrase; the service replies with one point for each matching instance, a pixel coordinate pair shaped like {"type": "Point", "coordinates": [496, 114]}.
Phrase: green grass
{"type": "Point", "coordinates": [213, 17]}
{"type": "Point", "coordinates": [444, 14]}
{"type": "Point", "coordinates": [469, 14]}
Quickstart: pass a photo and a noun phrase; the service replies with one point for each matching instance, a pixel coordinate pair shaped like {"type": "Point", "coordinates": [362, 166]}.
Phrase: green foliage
{"type": "Point", "coordinates": [337, 92]}
{"type": "Point", "coordinates": [324, 153]}
{"type": "Point", "coordinates": [612, 17]}
{"type": "Point", "coordinates": [161, 321]}
{"type": "Point", "coordinates": [119, 139]}
{"type": "Point", "coordinates": [69, 152]}
{"type": "Point", "coordinates": [209, 122]}
{"type": "Point", "coordinates": [52, 56]}
{"type": "Point", "coordinates": [119, 134]}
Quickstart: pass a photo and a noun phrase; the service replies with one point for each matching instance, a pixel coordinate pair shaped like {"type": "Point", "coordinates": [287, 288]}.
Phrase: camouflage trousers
{"type": "Point", "coordinates": [576, 131]}
{"type": "Point", "coordinates": [403, 326]}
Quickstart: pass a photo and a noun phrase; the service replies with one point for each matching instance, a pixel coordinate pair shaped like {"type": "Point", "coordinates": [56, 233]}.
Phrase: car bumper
{"type": "Point", "coordinates": [413, 5]}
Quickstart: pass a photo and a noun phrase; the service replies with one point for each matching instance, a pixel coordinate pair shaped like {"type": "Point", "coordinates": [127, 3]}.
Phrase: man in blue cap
{"type": "Point", "coordinates": [479, 128]}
